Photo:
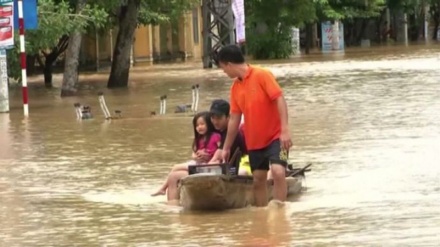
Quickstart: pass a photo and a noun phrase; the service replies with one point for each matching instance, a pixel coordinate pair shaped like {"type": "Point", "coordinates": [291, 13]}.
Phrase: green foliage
{"type": "Point", "coordinates": [294, 13]}
{"type": "Point", "coordinates": [155, 12]}
{"type": "Point", "coordinates": [348, 9]}
{"type": "Point", "coordinates": [269, 22]}
{"type": "Point", "coordinates": [55, 19]}
{"type": "Point", "coordinates": [13, 60]}
{"type": "Point", "coordinates": [411, 6]}
{"type": "Point", "coordinates": [403, 4]}
{"type": "Point", "coordinates": [275, 43]}
{"type": "Point", "coordinates": [150, 11]}
{"type": "Point", "coordinates": [269, 25]}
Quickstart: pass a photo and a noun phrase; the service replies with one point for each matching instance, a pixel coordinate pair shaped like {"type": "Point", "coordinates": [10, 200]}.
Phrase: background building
{"type": "Point", "coordinates": [172, 41]}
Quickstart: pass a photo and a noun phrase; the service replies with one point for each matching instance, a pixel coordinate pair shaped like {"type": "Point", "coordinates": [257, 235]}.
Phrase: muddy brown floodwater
{"type": "Point", "coordinates": [368, 121]}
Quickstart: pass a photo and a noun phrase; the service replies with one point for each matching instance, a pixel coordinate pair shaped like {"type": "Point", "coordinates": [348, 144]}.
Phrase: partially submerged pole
{"type": "Point", "coordinates": [23, 59]}
{"type": "Point", "coordinates": [405, 28]}
{"type": "Point", "coordinates": [163, 105]}
{"type": "Point", "coordinates": [426, 22]}
{"type": "Point", "coordinates": [193, 102]}
{"type": "Point", "coordinates": [196, 105]}
{"type": "Point", "coordinates": [78, 111]}
{"type": "Point", "coordinates": [104, 106]}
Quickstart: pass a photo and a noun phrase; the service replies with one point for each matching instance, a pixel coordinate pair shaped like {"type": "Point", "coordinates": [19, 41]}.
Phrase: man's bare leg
{"type": "Point", "coordinates": [260, 187]}
{"type": "Point", "coordinates": [279, 182]}
{"type": "Point", "coordinates": [173, 179]}
{"type": "Point", "coordinates": [269, 174]}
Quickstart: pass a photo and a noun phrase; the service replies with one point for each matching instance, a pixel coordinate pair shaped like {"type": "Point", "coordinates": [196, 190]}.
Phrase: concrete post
{"type": "Point", "coordinates": [426, 23]}
{"type": "Point", "coordinates": [4, 87]}
{"type": "Point", "coordinates": [405, 28]}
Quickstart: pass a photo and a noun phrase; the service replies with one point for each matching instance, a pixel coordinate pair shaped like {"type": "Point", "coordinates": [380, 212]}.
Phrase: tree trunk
{"type": "Point", "coordinates": [121, 55]}
{"type": "Point", "coordinates": [51, 58]}
{"type": "Point", "coordinates": [380, 26]}
{"type": "Point", "coordinates": [402, 26]}
{"type": "Point", "coordinates": [435, 13]}
{"type": "Point", "coordinates": [436, 26]}
{"type": "Point", "coordinates": [47, 71]}
{"type": "Point", "coordinates": [70, 75]}
{"type": "Point", "coordinates": [352, 27]}
{"type": "Point", "coordinates": [309, 37]}
{"type": "Point", "coordinates": [30, 64]}
{"type": "Point", "coordinates": [361, 33]}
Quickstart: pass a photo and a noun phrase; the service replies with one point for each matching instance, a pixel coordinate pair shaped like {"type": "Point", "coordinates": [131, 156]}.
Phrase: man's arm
{"type": "Point", "coordinates": [274, 92]}
{"type": "Point", "coordinates": [286, 141]}
{"type": "Point", "coordinates": [282, 110]}
{"type": "Point", "coordinates": [234, 122]}
{"type": "Point", "coordinates": [216, 158]}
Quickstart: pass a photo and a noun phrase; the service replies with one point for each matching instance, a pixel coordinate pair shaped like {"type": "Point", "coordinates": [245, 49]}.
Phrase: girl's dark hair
{"type": "Point", "coordinates": [209, 129]}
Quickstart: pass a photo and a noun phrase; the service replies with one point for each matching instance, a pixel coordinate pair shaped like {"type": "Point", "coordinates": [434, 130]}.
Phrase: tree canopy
{"type": "Point", "coordinates": [56, 20]}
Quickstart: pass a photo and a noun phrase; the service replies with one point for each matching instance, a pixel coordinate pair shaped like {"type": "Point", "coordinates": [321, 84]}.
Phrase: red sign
{"type": "Point", "coordinates": [6, 11]}
{"type": "Point", "coordinates": [6, 24]}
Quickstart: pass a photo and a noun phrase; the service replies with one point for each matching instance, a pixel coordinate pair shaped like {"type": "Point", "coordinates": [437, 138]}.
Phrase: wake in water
{"type": "Point", "coordinates": [134, 198]}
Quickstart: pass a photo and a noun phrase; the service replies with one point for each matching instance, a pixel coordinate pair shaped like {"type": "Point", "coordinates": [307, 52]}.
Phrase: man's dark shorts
{"type": "Point", "coordinates": [261, 159]}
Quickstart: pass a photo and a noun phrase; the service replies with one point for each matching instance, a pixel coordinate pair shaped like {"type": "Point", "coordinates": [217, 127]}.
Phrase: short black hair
{"type": "Point", "coordinates": [230, 54]}
{"type": "Point", "coordinates": [220, 107]}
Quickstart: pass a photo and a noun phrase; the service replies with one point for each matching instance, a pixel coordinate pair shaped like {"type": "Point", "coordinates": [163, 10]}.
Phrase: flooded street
{"type": "Point", "coordinates": [368, 122]}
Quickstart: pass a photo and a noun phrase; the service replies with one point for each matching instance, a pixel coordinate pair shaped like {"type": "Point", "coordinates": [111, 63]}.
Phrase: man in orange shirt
{"type": "Point", "coordinates": [256, 94]}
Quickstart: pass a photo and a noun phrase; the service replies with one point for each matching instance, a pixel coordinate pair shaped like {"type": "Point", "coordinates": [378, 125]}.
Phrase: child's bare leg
{"type": "Point", "coordinates": [180, 167]}
{"type": "Point", "coordinates": [163, 189]}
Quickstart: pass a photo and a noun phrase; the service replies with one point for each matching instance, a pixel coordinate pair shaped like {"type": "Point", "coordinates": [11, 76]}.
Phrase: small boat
{"type": "Point", "coordinates": [211, 187]}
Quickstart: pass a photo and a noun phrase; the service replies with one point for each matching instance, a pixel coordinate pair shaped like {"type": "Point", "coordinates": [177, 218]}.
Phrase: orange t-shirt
{"type": "Point", "coordinates": [255, 97]}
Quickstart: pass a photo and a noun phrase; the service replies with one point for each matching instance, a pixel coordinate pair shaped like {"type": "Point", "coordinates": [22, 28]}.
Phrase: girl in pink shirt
{"type": "Point", "coordinates": [206, 142]}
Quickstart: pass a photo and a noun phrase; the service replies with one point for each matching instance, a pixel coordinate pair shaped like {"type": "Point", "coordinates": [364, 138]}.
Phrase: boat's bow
{"type": "Point", "coordinates": [206, 191]}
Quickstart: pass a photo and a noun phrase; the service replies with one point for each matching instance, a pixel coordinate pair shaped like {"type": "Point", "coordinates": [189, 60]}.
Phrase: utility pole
{"type": "Point", "coordinates": [218, 28]}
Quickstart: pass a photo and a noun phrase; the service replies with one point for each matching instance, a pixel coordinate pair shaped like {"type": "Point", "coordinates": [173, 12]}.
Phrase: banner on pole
{"type": "Point", "coordinates": [4, 93]}
{"type": "Point", "coordinates": [296, 41]}
{"type": "Point", "coordinates": [30, 15]}
{"type": "Point", "coordinates": [238, 10]}
{"type": "Point", "coordinates": [329, 42]}
{"type": "Point", "coordinates": [6, 23]}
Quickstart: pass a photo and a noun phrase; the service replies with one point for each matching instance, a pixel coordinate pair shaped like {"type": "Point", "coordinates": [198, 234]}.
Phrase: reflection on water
{"type": "Point", "coordinates": [368, 123]}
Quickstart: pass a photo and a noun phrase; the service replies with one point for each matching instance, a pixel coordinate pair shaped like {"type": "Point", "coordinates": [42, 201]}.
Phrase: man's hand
{"type": "Point", "coordinates": [286, 141]}
{"type": "Point", "coordinates": [225, 155]}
